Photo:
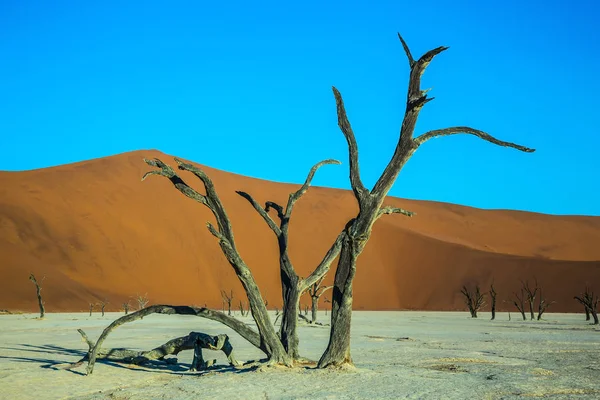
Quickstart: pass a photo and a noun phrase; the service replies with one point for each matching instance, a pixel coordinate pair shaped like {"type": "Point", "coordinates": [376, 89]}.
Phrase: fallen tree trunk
{"type": "Point", "coordinates": [238, 326]}
{"type": "Point", "coordinates": [194, 341]}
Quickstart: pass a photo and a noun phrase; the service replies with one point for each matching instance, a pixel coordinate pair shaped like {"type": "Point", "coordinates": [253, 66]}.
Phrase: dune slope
{"type": "Point", "coordinates": [95, 231]}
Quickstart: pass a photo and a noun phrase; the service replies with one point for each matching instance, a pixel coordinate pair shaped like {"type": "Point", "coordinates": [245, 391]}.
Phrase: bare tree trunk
{"type": "Point", "coordinates": [493, 297]}
{"type": "Point", "coordinates": [337, 353]}
{"type": "Point", "coordinates": [38, 290]}
{"type": "Point", "coordinates": [314, 308]}
{"type": "Point", "coordinates": [289, 319]}
{"type": "Point", "coordinates": [91, 308]}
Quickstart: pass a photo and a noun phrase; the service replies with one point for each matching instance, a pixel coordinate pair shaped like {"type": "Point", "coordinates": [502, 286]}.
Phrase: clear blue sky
{"type": "Point", "coordinates": [245, 86]}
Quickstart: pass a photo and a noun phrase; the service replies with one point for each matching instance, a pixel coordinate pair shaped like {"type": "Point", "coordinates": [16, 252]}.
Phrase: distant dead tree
{"type": "Point", "coordinates": [305, 309]}
{"type": "Point", "coordinates": [315, 292]}
{"type": "Point", "coordinates": [531, 293]}
{"type": "Point", "coordinates": [543, 305]}
{"type": "Point", "coordinates": [142, 301]}
{"type": "Point", "coordinates": [243, 310]}
{"type": "Point", "coordinates": [590, 303]}
{"type": "Point", "coordinates": [327, 301]}
{"type": "Point", "coordinates": [38, 289]}
{"type": "Point", "coordinates": [227, 299]}
{"type": "Point", "coordinates": [474, 301]}
{"type": "Point", "coordinates": [91, 308]}
{"type": "Point", "coordinates": [103, 304]}
{"type": "Point", "coordinates": [493, 297]}
{"type": "Point", "coordinates": [519, 302]}
{"type": "Point", "coordinates": [126, 307]}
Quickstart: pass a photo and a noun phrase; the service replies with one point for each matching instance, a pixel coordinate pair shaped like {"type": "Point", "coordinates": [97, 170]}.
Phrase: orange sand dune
{"type": "Point", "coordinates": [97, 232]}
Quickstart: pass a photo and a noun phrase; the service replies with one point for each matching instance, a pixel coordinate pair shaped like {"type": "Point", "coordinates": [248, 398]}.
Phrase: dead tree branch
{"type": "Point", "coordinates": [38, 290]}
{"type": "Point", "coordinates": [142, 301]}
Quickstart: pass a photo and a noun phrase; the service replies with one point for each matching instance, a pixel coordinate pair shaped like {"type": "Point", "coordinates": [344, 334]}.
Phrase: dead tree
{"type": "Point", "coordinates": [493, 297]}
{"type": "Point", "coordinates": [315, 292]}
{"type": "Point", "coordinates": [590, 302]}
{"type": "Point", "coordinates": [474, 301]}
{"type": "Point", "coordinates": [103, 304]}
{"type": "Point", "coordinates": [269, 341]}
{"type": "Point", "coordinates": [242, 309]}
{"type": "Point", "coordinates": [38, 290]}
{"type": "Point", "coordinates": [194, 340]}
{"type": "Point", "coordinates": [292, 286]}
{"type": "Point", "coordinates": [91, 308]}
{"type": "Point", "coordinates": [126, 307]}
{"type": "Point", "coordinates": [142, 301]}
{"type": "Point", "coordinates": [519, 302]}
{"type": "Point", "coordinates": [531, 293]}
{"type": "Point", "coordinates": [227, 298]}
{"type": "Point", "coordinates": [543, 305]}
{"type": "Point", "coordinates": [359, 229]}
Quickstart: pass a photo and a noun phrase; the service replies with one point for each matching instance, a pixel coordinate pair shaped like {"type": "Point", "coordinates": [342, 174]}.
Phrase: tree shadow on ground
{"type": "Point", "coordinates": [151, 366]}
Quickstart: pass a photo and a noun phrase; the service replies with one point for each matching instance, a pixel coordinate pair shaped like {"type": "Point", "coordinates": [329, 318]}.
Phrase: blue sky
{"type": "Point", "coordinates": [246, 87]}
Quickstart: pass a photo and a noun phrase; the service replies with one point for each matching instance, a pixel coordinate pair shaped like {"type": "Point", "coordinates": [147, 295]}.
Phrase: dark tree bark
{"type": "Point", "coordinates": [241, 328]}
{"type": "Point", "coordinates": [292, 286]}
{"type": "Point", "coordinates": [358, 231]}
{"type": "Point", "coordinates": [91, 308]}
{"type": "Point", "coordinates": [270, 343]}
{"type": "Point", "coordinates": [493, 297]}
{"type": "Point", "coordinates": [227, 299]}
{"type": "Point", "coordinates": [474, 301]}
{"type": "Point", "coordinates": [590, 302]}
{"type": "Point", "coordinates": [38, 290]}
{"type": "Point", "coordinates": [542, 306]}
{"type": "Point", "coordinates": [315, 292]}
{"type": "Point", "coordinates": [519, 302]}
{"type": "Point", "coordinates": [531, 293]}
{"type": "Point", "coordinates": [193, 341]}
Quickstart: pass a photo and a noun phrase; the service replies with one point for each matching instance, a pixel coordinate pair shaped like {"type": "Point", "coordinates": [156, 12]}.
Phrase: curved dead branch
{"type": "Point", "coordinates": [456, 130]}
{"type": "Point", "coordinates": [238, 326]}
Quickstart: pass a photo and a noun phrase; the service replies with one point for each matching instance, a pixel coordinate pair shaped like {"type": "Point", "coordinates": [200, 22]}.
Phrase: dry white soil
{"type": "Point", "coordinates": [428, 355]}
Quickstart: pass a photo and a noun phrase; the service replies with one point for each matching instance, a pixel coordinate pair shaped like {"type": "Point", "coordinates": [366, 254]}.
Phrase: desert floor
{"type": "Point", "coordinates": [397, 354]}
